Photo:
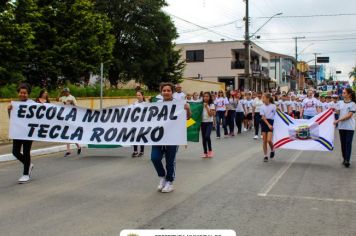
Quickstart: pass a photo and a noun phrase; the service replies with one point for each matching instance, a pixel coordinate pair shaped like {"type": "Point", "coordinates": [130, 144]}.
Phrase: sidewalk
{"type": "Point", "coordinates": [38, 149]}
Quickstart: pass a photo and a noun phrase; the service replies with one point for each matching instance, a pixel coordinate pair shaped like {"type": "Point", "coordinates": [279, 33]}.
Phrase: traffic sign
{"type": "Point", "coordinates": [322, 59]}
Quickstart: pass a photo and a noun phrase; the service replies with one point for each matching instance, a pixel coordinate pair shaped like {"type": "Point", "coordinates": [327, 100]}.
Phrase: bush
{"type": "Point", "coordinates": [10, 91]}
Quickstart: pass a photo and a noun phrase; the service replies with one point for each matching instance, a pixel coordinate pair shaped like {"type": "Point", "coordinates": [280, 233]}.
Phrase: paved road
{"type": "Point", "coordinates": [105, 191]}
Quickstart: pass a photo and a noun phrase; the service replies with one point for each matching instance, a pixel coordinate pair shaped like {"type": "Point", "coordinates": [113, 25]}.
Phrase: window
{"type": "Point", "coordinates": [195, 56]}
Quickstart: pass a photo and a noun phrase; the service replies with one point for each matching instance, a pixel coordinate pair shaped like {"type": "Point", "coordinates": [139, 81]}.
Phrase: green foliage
{"type": "Point", "coordinates": [48, 42]}
{"type": "Point", "coordinates": [144, 49]}
{"type": "Point", "coordinates": [10, 91]}
{"type": "Point", "coordinates": [352, 74]}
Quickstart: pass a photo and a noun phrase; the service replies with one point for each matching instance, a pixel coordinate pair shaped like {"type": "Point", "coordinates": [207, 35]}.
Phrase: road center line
{"type": "Point", "coordinates": [274, 180]}
{"type": "Point", "coordinates": [310, 198]}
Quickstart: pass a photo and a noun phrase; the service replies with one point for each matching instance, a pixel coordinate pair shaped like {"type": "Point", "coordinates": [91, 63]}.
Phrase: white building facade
{"type": "Point", "coordinates": [224, 61]}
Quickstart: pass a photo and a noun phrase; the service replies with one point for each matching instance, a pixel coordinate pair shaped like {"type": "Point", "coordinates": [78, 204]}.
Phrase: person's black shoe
{"type": "Point", "coordinates": [347, 164]}
{"type": "Point", "coordinates": [79, 151]}
{"type": "Point", "coordinates": [135, 154]}
{"type": "Point", "coordinates": [67, 154]}
{"type": "Point", "coordinates": [271, 155]}
{"type": "Point", "coordinates": [265, 159]}
{"type": "Point", "coordinates": [343, 162]}
{"type": "Point", "coordinates": [140, 154]}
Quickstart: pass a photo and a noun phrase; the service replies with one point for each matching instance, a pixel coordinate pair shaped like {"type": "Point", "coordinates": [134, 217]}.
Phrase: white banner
{"type": "Point", "coordinates": [316, 134]}
{"type": "Point", "coordinates": [141, 124]}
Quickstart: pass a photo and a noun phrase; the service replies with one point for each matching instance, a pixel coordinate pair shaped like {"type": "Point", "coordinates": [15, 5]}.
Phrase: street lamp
{"type": "Point", "coordinates": [269, 19]}
{"type": "Point", "coordinates": [247, 42]}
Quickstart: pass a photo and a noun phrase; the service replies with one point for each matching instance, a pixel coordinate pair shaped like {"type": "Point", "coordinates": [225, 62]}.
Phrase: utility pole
{"type": "Point", "coordinates": [315, 69]}
{"type": "Point", "coordinates": [247, 45]}
{"type": "Point", "coordinates": [296, 54]}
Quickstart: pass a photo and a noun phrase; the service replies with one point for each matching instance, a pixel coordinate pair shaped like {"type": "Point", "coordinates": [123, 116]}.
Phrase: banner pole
{"type": "Point", "coordinates": [101, 84]}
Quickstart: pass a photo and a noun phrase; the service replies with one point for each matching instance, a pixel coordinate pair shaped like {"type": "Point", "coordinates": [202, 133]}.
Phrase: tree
{"type": "Point", "coordinates": [62, 39]}
{"type": "Point", "coordinates": [16, 40]}
{"type": "Point", "coordinates": [352, 74]}
{"type": "Point", "coordinates": [144, 49]}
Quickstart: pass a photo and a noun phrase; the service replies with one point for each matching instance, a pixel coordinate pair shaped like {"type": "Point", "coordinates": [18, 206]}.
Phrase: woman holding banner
{"type": "Point", "coordinates": [25, 157]}
{"type": "Point", "coordinates": [346, 122]}
{"type": "Point", "coordinates": [167, 174]}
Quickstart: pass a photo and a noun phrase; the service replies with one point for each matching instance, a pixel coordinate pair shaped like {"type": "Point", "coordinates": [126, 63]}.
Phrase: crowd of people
{"type": "Point", "coordinates": [222, 112]}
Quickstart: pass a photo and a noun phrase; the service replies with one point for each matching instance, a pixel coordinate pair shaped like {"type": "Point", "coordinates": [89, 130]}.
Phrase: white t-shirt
{"type": "Point", "coordinates": [239, 106]}
{"type": "Point", "coordinates": [248, 106]}
{"type": "Point", "coordinates": [284, 106]}
{"type": "Point", "coordinates": [206, 117]}
{"type": "Point", "coordinates": [324, 106]}
{"type": "Point", "coordinates": [334, 105]}
{"type": "Point", "coordinates": [268, 111]}
{"type": "Point", "coordinates": [179, 96]}
{"type": "Point", "coordinates": [344, 109]}
{"type": "Point", "coordinates": [310, 106]}
{"type": "Point", "coordinates": [257, 104]}
{"type": "Point", "coordinates": [68, 100]}
{"type": "Point", "coordinates": [220, 103]}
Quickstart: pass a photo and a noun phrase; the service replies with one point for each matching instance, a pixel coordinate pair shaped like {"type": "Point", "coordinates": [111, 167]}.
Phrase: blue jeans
{"type": "Point", "coordinates": [346, 137]}
{"type": "Point", "coordinates": [220, 118]}
{"type": "Point", "coordinates": [169, 152]}
{"type": "Point", "coordinates": [307, 117]}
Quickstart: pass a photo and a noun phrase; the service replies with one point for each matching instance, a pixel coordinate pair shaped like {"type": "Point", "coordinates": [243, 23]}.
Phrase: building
{"type": "Point", "coordinates": [224, 61]}
{"type": "Point", "coordinates": [320, 74]}
{"type": "Point", "coordinates": [282, 69]}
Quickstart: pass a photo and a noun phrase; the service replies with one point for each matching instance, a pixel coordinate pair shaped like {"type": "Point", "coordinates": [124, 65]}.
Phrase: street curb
{"type": "Point", "coordinates": [40, 152]}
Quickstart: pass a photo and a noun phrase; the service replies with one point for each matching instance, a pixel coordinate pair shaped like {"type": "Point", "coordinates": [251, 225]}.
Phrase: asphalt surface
{"type": "Point", "coordinates": [104, 191]}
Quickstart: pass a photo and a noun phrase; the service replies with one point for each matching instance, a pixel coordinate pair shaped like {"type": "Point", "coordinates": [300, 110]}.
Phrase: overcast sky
{"type": "Point", "coordinates": [324, 35]}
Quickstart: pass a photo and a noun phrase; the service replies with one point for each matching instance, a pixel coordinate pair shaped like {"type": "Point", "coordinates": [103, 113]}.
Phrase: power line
{"type": "Point", "coordinates": [202, 27]}
{"type": "Point", "coordinates": [310, 16]}
{"type": "Point", "coordinates": [209, 27]}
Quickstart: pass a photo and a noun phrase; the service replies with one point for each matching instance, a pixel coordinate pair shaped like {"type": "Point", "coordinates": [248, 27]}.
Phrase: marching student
{"type": "Point", "coordinates": [221, 113]}
{"type": "Point", "coordinates": [196, 98]}
{"type": "Point", "coordinates": [334, 104]}
{"type": "Point", "coordinates": [25, 157]}
{"type": "Point", "coordinates": [294, 107]}
{"type": "Point", "coordinates": [240, 112]}
{"type": "Point", "coordinates": [43, 97]}
{"type": "Point", "coordinates": [140, 99]}
{"type": "Point", "coordinates": [346, 124]}
{"type": "Point", "coordinates": [179, 95]}
{"type": "Point", "coordinates": [256, 107]}
{"type": "Point", "coordinates": [69, 99]}
{"type": "Point", "coordinates": [310, 106]}
{"type": "Point", "coordinates": [207, 124]}
{"type": "Point", "coordinates": [230, 118]}
{"type": "Point", "coordinates": [166, 175]}
{"type": "Point", "coordinates": [268, 110]}
{"type": "Point", "coordinates": [323, 105]}
{"type": "Point", "coordinates": [248, 111]}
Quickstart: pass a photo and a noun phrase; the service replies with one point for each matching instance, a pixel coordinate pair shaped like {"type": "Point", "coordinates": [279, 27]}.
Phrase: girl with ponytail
{"type": "Point", "coordinates": [346, 123]}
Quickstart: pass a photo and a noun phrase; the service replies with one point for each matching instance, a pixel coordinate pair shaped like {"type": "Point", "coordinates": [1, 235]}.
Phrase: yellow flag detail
{"type": "Point", "coordinates": [190, 122]}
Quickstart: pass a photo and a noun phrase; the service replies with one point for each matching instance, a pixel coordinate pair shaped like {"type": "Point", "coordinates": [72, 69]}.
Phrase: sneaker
{"type": "Point", "coordinates": [245, 130]}
{"type": "Point", "coordinates": [24, 179]}
{"type": "Point", "coordinates": [79, 151]}
{"type": "Point", "coordinates": [141, 154]}
{"type": "Point", "coordinates": [210, 154]}
{"type": "Point", "coordinates": [168, 187]}
{"type": "Point", "coordinates": [347, 164]}
{"type": "Point", "coordinates": [265, 159]}
{"type": "Point", "coordinates": [271, 155]}
{"type": "Point", "coordinates": [162, 183]}
{"type": "Point", "coordinates": [135, 154]}
{"type": "Point", "coordinates": [205, 155]}
{"type": "Point", "coordinates": [217, 137]}
{"type": "Point", "coordinates": [256, 137]}
{"type": "Point", "coordinates": [30, 170]}
{"type": "Point", "coordinates": [67, 154]}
